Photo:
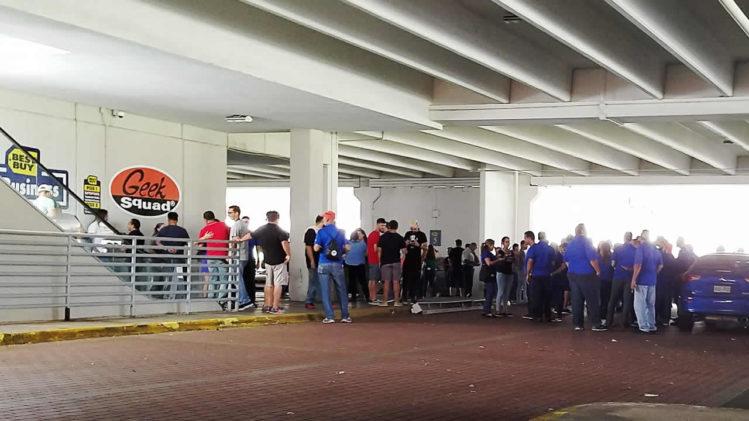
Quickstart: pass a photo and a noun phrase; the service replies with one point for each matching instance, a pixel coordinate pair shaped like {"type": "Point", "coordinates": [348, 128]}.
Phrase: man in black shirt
{"type": "Point", "coordinates": [313, 258]}
{"type": "Point", "coordinates": [504, 277]}
{"type": "Point", "coordinates": [173, 251]}
{"type": "Point", "coordinates": [390, 249]}
{"type": "Point", "coordinates": [416, 248]}
{"type": "Point", "coordinates": [455, 256]}
{"type": "Point", "coordinates": [275, 243]}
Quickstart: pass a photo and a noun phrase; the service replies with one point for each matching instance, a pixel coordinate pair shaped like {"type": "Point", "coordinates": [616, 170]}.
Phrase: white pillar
{"type": "Point", "coordinates": [314, 184]}
{"type": "Point", "coordinates": [505, 205]}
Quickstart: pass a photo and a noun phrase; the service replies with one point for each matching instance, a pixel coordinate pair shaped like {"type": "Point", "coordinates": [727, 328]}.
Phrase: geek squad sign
{"type": "Point", "coordinates": [25, 176]}
{"type": "Point", "coordinates": [144, 191]}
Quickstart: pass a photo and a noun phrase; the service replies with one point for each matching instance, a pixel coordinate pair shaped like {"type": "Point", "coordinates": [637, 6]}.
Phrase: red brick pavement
{"type": "Point", "coordinates": [451, 366]}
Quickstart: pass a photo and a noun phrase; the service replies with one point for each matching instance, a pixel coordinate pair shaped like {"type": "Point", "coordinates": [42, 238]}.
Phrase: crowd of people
{"type": "Point", "coordinates": [638, 278]}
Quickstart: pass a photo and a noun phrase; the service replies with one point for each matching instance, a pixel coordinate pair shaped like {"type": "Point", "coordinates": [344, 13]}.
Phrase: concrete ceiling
{"type": "Point", "coordinates": [579, 88]}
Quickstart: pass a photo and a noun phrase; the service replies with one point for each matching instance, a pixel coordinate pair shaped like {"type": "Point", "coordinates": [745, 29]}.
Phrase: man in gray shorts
{"type": "Point", "coordinates": [275, 243]}
{"type": "Point", "coordinates": [373, 259]}
{"type": "Point", "coordinates": [390, 250]}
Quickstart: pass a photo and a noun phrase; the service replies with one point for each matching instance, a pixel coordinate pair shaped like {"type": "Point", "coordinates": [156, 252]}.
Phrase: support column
{"type": "Point", "coordinates": [505, 202]}
{"type": "Point", "coordinates": [314, 185]}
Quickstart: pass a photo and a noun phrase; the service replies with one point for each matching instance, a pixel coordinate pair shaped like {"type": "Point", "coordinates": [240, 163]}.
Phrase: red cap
{"type": "Point", "coordinates": [329, 215]}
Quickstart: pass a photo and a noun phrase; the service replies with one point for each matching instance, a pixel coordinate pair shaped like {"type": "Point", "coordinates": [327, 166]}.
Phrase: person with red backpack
{"type": "Point", "coordinates": [332, 244]}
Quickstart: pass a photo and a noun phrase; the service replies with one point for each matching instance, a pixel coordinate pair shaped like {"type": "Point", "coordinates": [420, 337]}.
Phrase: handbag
{"type": "Point", "coordinates": [486, 273]}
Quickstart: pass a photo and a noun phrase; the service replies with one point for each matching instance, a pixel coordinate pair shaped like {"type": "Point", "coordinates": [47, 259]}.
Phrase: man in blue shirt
{"type": "Point", "coordinates": [332, 244]}
{"type": "Point", "coordinates": [582, 261]}
{"type": "Point", "coordinates": [648, 262]}
{"type": "Point", "coordinates": [624, 260]}
{"type": "Point", "coordinates": [539, 264]}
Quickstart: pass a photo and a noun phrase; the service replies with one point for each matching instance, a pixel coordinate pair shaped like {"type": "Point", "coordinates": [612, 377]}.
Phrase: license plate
{"type": "Point", "coordinates": [722, 289]}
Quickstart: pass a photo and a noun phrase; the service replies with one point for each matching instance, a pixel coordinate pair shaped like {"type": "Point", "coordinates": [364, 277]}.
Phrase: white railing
{"type": "Point", "coordinates": [69, 270]}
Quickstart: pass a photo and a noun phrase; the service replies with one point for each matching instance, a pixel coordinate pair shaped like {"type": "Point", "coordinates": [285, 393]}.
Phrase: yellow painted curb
{"type": "Point", "coordinates": [135, 328]}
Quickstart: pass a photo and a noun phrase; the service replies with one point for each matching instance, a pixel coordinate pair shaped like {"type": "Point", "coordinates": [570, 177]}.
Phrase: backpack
{"type": "Point", "coordinates": [332, 252]}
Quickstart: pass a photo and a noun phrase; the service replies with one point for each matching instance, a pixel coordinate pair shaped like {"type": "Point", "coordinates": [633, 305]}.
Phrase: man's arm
{"type": "Point", "coordinates": [596, 267]}
{"type": "Point", "coordinates": [528, 270]}
{"type": "Point", "coordinates": [309, 250]}
{"type": "Point", "coordinates": [635, 274]}
{"type": "Point", "coordinates": [561, 267]}
{"type": "Point", "coordinates": [287, 250]}
{"type": "Point", "coordinates": [379, 255]}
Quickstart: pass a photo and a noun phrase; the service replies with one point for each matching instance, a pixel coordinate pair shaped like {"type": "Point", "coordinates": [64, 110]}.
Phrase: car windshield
{"type": "Point", "coordinates": [722, 263]}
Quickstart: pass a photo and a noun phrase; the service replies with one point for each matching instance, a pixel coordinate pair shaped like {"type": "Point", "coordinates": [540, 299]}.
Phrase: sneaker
{"type": "Point", "coordinates": [327, 321]}
{"type": "Point", "coordinates": [222, 304]}
{"type": "Point", "coordinates": [600, 328]}
{"type": "Point", "coordinates": [309, 306]}
{"type": "Point", "coordinates": [556, 320]}
{"type": "Point", "coordinates": [508, 314]}
{"type": "Point", "coordinates": [566, 311]}
{"type": "Point", "coordinates": [398, 304]}
{"type": "Point", "coordinates": [579, 329]}
{"type": "Point", "coordinates": [245, 306]}
{"type": "Point", "coordinates": [527, 317]}
{"type": "Point", "coordinates": [383, 304]}
{"type": "Point", "coordinates": [275, 310]}
{"type": "Point", "coordinates": [347, 320]}
{"type": "Point", "coordinates": [488, 315]}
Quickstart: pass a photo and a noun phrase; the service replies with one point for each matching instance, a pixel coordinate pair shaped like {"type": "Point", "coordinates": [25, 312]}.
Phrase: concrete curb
{"type": "Point", "coordinates": [119, 328]}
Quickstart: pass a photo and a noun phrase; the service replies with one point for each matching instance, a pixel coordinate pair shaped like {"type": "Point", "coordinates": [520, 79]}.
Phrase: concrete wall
{"type": "Point", "coordinates": [457, 210]}
{"type": "Point", "coordinates": [87, 140]}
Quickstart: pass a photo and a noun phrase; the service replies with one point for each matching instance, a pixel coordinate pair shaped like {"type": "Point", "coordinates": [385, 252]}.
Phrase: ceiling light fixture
{"type": "Point", "coordinates": [238, 118]}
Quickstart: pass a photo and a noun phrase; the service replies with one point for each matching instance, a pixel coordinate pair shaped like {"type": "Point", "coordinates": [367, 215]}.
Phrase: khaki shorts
{"type": "Point", "coordinates": [276, 275]}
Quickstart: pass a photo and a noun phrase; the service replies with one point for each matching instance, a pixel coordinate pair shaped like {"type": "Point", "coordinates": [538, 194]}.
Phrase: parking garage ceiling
{"type": "Point", "coordinates": [418, 88]}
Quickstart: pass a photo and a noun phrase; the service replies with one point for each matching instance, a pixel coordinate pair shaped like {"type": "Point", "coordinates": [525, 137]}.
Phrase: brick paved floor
{"type": "Point", "coordinates": [450, 366]}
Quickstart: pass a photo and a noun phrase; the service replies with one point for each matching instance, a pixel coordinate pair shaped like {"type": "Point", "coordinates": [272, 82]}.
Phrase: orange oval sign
{"type": "Point", "coordinates": [144, 191]}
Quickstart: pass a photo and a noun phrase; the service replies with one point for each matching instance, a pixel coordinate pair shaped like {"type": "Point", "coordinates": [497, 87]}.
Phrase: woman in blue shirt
{"type": "Point", "coordinates": [355, 265]}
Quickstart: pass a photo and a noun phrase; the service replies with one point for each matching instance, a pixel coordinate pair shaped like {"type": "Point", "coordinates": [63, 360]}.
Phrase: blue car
{"type": "Point", "coordinates": [716, 286]}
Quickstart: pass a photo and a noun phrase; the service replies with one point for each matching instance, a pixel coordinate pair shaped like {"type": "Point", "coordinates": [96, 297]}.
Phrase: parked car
{"type": "Point", "coordinates": [716, 286]}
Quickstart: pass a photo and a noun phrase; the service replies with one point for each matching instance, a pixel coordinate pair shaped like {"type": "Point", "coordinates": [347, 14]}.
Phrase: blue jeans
{"type": "Point", "coordinates": [504, 284]}
{"type": "Point", "coordinates": [645, 307]}
{"type": "Point", "coordinates": [244, 298]}
{"type": "Point", "coordinates": [334, 270]}
{"type": "Point", "coordinates": [218, 270]}
{"type": "Point", "coordinates": [313, 286]}
{"type": "Point", "coordinates": [490, 294]}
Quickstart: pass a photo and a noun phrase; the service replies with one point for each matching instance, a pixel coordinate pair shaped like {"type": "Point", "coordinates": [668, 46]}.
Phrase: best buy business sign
{"type": "Point", "coordinates": [24, 174]}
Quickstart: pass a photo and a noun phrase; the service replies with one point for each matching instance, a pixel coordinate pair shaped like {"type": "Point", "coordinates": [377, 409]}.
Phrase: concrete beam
{"type": "Point", "coordinates": [623, 52]}
{"type": "Point", "coordinates": [252, 173]}
{"type": "Point", "coordinates": [623, 140]}
{"type": "Point", "coordinates": [568, 143]}
{"type": "Point", "coordinates": [694, 109]}
{"type": "Point", "coordinates": [350, 162]}
{"type": "Point", "coordinates": [736, 131]}
{"type": "Point", "coordinates": [681, 138]}
{"type": "Point", "coordinates": [367, 32]}
{"type": "Point", "coordinates": [396, 161]}
{"type": "Point", "coordinates": [685, 36]}
{"type": "Point", "coordinates": [455, 28]}
{"type": "Point", "coordinates": [357, 171]}
{"type": "Point", "coordinates": [737, 14]}
{"type": "Point", "coordinates": [511, 146]}
{"type": "Point", "coordinates": [449, 147]}
{"type": "Point", "coordinates": [408, 151]}
{"type": "Point", "coordinates": [265, 169]}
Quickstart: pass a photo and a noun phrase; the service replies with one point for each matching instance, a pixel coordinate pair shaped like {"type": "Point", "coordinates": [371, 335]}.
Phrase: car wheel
{"type": "Point", "coordinates": [686, 322]}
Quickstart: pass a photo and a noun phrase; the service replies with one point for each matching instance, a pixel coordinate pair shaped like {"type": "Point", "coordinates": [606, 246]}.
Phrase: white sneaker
{"type": "Point", "coordinates": [328, 321]}
{"type": "Point", "coordinates": [347, 320]}
{"type": "Point", "coordinates": [398, 304]}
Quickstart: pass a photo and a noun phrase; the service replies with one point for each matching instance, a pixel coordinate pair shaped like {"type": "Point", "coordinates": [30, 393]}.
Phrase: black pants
{"type": "Point", "coordinates": [540, 295]}
{"type": "Point", "coordinates": [429, 284]}
{"type": "Point", "coordinates": [411, 282]}
{"type": "Point", "coordinates": [585, 292]}
{"type": "Point", "coordinates": [357, 278]}
{"type": "Point", "coordinates": [663, 290]}
{"type": "Point", "coordinates": [621, 291]}
{"type": "Point", "coordinates": [468, 280]}
{"type": "Point", "coordinates": [605, 296]}
{"type": "Point", "coordinates": [248, 276]}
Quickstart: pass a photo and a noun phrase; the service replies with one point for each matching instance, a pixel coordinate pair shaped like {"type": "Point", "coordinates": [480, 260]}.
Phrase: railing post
{"type": "Point", "coordinates": [133, 267]}
{"type": "Point", "coordinates": [68, 247]}
{"type": "Point", "coordinates": [189, 277]}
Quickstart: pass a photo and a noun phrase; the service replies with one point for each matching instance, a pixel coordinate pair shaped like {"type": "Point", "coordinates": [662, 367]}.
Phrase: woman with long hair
{"type": "Point", "coordinates": [607, 274]}
{"type": "Point", "coordinates": [430, 271]}
{"type": "Point", "coordinates": [488, 275]}
{"type": "Point", "coordinates": [504, 277]}
{"type": "Point", "coordinates": [355, 265]}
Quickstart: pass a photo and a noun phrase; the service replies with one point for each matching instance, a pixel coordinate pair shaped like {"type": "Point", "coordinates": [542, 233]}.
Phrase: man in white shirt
{"type": "Point", "coordinates": [44, 201]}
{"type": "Point", "coordinates": [99, 227]}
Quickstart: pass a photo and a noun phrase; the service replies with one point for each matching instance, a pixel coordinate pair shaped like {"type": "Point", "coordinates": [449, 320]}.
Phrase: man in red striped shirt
{"type": "Point", "coordinates": [373, 260]}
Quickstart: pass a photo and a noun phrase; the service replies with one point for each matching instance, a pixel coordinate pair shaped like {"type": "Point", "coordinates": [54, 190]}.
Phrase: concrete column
{"type": "Point", "coordinates": [368, 197]}
{"type": "Point", "coordinates": [314, 184]}
{"type": "Point", "coordinates": [505, 202]}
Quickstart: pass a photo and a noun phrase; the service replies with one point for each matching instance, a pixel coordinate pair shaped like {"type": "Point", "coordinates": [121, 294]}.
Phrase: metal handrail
{"type": "Point", "coordinates": [143, 277]}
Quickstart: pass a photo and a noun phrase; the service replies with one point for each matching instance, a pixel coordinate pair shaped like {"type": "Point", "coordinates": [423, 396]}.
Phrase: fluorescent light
{"type": "Point", "coordinates": [11, 48]}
